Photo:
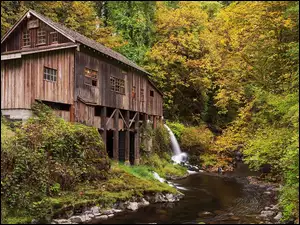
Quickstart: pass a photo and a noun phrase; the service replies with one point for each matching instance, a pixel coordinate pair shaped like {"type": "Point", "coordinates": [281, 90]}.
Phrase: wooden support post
{"type": "Point", "coordinates": [103, 124]}
{"type": "Point", "coordinates": [137, 140]}
{"type": "Point", "coordinates": [72, 113]}
{"type": "Point", "coordinates": [116, 136]}
{"type": "Point", "coordinates": [127, 139]}
{"type": "Point", "coordinates": [145, 119]}
{"type": "Point", "coordinates": [154, 122]}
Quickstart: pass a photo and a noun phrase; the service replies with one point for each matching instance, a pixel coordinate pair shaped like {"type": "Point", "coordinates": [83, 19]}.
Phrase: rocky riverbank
{"type": "Point", "coordinates": [90, 214]}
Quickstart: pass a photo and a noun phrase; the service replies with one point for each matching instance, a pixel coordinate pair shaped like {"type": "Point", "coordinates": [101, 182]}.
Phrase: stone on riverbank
{"type": "Point", "coordinates": [278, 216]}
{"type": "Point", "coordinates": [133, 206]}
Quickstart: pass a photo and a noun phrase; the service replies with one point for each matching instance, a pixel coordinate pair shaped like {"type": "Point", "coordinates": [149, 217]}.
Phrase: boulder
{"type": "Point", "coordinates": [107, 212]}
{"type": "Point", "coordinates": [60, 221]}
{"type": "Point", "coordinates": [278, 216]}
{"type": "Point", "coordinates": [102, 217]}
{"type": "Point", "coordinates": [170, 197]}
{"type": "Point", "coordinates": [117, 210]}
{"type": "Point", "coordinates": [133, 206]}
{"type": "Point", "coordinates": [77, 219]}
{"type": "Point", "coordinates": [144, 202]}
{"type": "Point", "coordinates": [267, 213]}
{"type": "Point", "coordinates": [95, 209]}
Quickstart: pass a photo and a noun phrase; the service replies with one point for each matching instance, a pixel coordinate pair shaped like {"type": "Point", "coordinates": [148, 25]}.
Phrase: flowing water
{"type": "Point", "coordinates": [209, 198]}
{"type": "Point", "coordinates": [178, 155]}
{"type": "Point", "coordinates": [227, 197]}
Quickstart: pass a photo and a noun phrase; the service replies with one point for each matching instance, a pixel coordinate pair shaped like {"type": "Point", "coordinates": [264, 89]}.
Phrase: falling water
{"type": "Point", "coordinates": [178, 155]}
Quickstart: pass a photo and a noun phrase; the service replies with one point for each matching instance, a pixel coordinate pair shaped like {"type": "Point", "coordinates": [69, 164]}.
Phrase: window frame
{"type": "Point", "coordinates": [117, 85]}
{"type": "Point", "coordinates": [52, 35]}
{"type": "Point", "coordinates": [90, 76]}
{"type": "Point", "coordinates": [152, 93]}
{"type": "Point", "coordinates": [27, 32]}
{"type": "Point", "coordinates": [47, 74]}
{"type": "Point", "coordinates": [142, 95]}
{"type": "Point", "coordinates": [38, 36]}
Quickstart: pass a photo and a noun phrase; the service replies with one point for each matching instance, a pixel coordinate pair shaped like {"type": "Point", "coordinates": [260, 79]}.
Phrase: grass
{"type": "Point", "coordinates": [123, 183]}
{"type": "Point", "coordinates": [163, 165]}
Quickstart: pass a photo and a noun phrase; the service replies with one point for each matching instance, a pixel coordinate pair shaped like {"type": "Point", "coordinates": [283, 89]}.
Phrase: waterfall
{"type": "Point", "coordinates": [178, 155]}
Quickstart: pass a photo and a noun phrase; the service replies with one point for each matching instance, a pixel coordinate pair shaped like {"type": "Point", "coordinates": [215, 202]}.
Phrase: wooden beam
{"type": "Point", "coordinates": [137, 140]}
{"type": "Point", "coordinates": [111, 116]}
{"type": "Point", "coordinates": [132, 119]}
{"type": "Point", "coordinates": [103, 124]}
{"type": "Point", "coordinates": [126, 123]}
{"type": "Point", "coordinates": [127, 139]}
{"type": "Point", "coordinates": [116, 136]}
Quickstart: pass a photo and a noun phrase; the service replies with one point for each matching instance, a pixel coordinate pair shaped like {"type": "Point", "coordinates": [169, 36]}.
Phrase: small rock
{"type": "Point", "coordinates": [76, 219]}
{"type": "Point", "coordinates": [275, 207]}
{"type": "Point", "coordinates": [103, 217]}
{"type": "Point", "coordinates": [234, 218]}
{"type": "Point", "coordinates": [60, 221]}
{"type": "Point", "coordinates": [267, 208]}
{"type": "Point", "coordinates": [97, 214]}
{"type": "Point", "coordinates": [110, 215]}
{"type": "Point", "coordinates": [133, 206]}
{"type": "Point", "coordinates": [170, 197]}
{"type": "Point", "coordinates": [117, 210]}
{"type": "Point", "coordinates": [88, 212]}
{"type": "Point", "coordinates": [34, 221]}
{"type": "Point", "coordinates": [144, 202]}
{"type": "Point", "coordinates": [107, 212]}
{"type": "Point", "coordinates": [267, 213]}
{"type": "Point", "coordinates": [91, 215]}
{"type": "Point", "coordinates": [278, 216]}
{"type": "Point", "coordinates": [204, 214]}
{"type": "Point", "coordinates": [95, 209]}
{"type": "Point", "coordinates": [230, 214]}
{"type": "Point", "coordinates": [267, 192]}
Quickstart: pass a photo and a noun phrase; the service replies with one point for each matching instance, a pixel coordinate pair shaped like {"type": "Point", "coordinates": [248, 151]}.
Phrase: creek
{"type": "Point", "coordinates": [209, 198]}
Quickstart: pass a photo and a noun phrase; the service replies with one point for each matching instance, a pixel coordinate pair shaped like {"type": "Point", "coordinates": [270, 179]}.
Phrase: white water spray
{"type": "Point", "coordinates": [157, 177]}
{"type": "Point", "coordinates": [178, 155]}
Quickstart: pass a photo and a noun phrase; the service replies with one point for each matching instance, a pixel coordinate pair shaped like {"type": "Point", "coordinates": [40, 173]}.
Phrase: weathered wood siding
{"type": "Point", "coordinates": [102, 93]}
{"type": "Point", "coordinates": [22, 80]}
{"type": "Point", "coordinates": [15, 41]}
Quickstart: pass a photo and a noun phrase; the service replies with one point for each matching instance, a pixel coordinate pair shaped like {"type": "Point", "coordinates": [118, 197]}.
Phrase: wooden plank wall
{"type": "Point", "coordinates": [22, 80]}
{"type": "Point", "coordinates": [64, 114]}
{"type": "Point", "coordinates": [102, 94]}
{"type": "Point", "coordinates": [86, 114]}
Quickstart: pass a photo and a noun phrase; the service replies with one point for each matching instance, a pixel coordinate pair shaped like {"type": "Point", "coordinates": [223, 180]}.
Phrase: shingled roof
{"type": "Point", "coordinates": [77, 37]}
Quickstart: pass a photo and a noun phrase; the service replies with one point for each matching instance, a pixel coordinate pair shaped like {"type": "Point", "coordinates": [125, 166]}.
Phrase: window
{"type": "Point", "coordinates": [112, 83]}
{"type": "Point", "coordinates": [152, 93]}
{"type": "Point", "coordinates": [90, 77]}
{"type": "Point", "coordinates": [50, 74]}
{"type": "Point", "coordinates": [41, 36]}
{"type": "Point", "coordinates": [26, 38]}
{"type": "Point", "coordinates": [53, 37]}
{"type": "Point", "coordinates": [133, 92]}
{"type": "Point", "coordinates": [142, 95]}
{"type": "Point", "coordinates": [117, 85]}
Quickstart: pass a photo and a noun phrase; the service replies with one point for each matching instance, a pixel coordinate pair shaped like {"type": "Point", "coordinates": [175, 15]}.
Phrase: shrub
{"type": "Point", "coordinates": [46, 155]}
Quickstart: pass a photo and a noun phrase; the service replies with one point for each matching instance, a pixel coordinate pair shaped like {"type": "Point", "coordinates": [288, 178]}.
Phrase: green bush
{"type": "Point", "coordinates": [177, 128]}
{"type": "Point", "coordinates": [46, 155]}
{"type": "Point", "coordinates": [161, 140]}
